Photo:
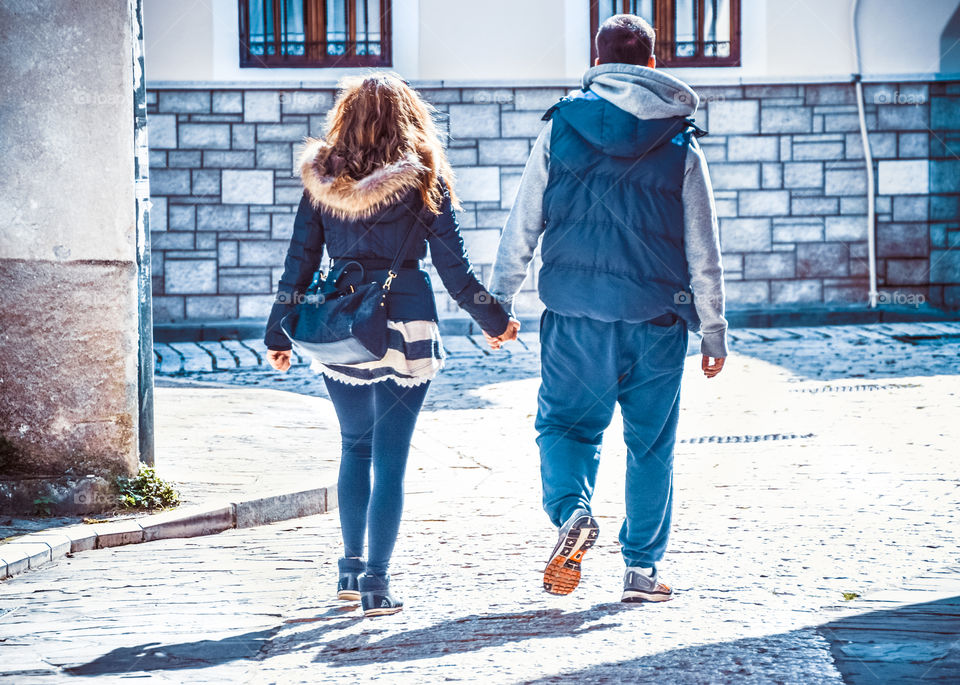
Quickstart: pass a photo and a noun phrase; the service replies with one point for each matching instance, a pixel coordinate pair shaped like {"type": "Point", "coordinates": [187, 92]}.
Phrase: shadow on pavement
{"type": "Point", "coordinates": [907, 644]}
{"type": "Point", "coordinates": [467, 634]}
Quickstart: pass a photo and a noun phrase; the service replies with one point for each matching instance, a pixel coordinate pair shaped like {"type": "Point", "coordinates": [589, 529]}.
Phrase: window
{"type": "Point", "coordinates": [690, 33]}
{"type": "Point", "coordinates": [315, 33]}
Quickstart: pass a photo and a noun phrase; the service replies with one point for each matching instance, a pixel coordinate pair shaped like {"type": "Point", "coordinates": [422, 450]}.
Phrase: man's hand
{"type": "Point", "coordinates": [279, 359]}
{"type": "Point", "coordinates": [711, 370]}
{"type": "Point", "coordinates": [510, 334]}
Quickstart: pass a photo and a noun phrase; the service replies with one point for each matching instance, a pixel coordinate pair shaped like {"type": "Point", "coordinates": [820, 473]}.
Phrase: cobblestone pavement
{"type": "Point", "coordinates": [820, 462]}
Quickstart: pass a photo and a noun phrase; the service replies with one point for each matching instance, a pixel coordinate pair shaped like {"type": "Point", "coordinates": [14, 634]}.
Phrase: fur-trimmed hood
{"type": "Point", "coordinates": [347, 198]}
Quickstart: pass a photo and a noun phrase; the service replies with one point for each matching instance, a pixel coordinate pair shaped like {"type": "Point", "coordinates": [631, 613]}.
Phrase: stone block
{"type": "Point", "coordinates": [288, 195]}
{"type": "Point", "coordinates": [157, 159]}
{"type": "Point", "coordinates": [158, 213]}
{"type": "Point", "coordinates": [188, 276]}
{"type": "Point", "coordinates": [227, 102]}
{"type": "Point", "coordinates": [518, 124]}
{"type": "Point", "coordinates": [262, 252]}
{"type": "Point", "coordinates": [206, 241]}
{"type": "Point", "coordinates": [484, 96]}
{"type": "Point", "coordinates": [211, 307]}
{"type": "Point", "coordinates": [509, 183]}
{"type": "Point", "coordinates": [167, 309]}
{"type": "Point", "coordinates": [881, 145]}
{"type": "Point", "coordinates": [845, 182]}
{"type": "Point", "coordinates": [910, 208]}
{"type": "Point", "coordinates": [745, 235]}
{"type": "Point", "coordinates": [281, 507]}
{"type": "Point", "coordinates": [254, 306]}
{"type": "Point", "coordinates": [803, 175]}
{"type": "Point", "coordinates": [478, 184]}
{"type": "Point", "coordinates": [462, 156]}
{"type": "Point", "coordinates": [830, 94]}
{"type": "Point", "coordinates": [247, 187]}
{"type": "Point", "coordinates": [169, 182]}
{"type": "Point", "coordinates": [306, 101]}
{"type": "Point", "coordinates": [162, 131]}
{"type": "Point", "coordinates": [747, 292]}
{"type": "Point", "coordinates": [261, 105]}
{"type": "Point", "coordinates": [903, 117]}
{"type": "Point", "coordinates": [20, 555]}
{"type": "Point", "coordinates": [243, 136]}
{"type": "Point", "coordinates": [769, 265]}
{"type": "Point", "coordinates": [492, 218]}
{"type": "Point", "coordinates": [475, 121]}
{"type": "Point", "coordinates": [813, 206]}
{"type": "Point", "coordinates": [735, 176]}
{"type": "Point", "coordinates": [796, 292]}
{"type": "Point", "coordinates": [903, 177]}
{"type": "Point", "coordinates": [944, 175]}
{"type": "Point", "coordinates": [504, 151]}
{"type": "Point", "coordinates": [221, 218]}
{"type": "Point", "coordinates": [205, 182]}
{"type": "Point", "coordinates": [753, 148]}
{"type": "Point", "coordinates": [228, 159]}
{"type": "Point", "coordinates": [205, 136]}
{"type": "Point", "coordinates": [183, 159]}
{"type": "Point", "coordinates": [539, 99]}
{"type": "Point", "coordinates": [245, 283]}
{"type": "Point", "coordinates": [771, 175]}
{"type": "Point", "coordinates": [281, 133]}
{"type": "Point", "coordinates": [846, 228]}
{"type": "Point", "coordinates": [817, 151]}
{"type": "Point", "coordinates": [188, 522]}
{"type": "Point", "coordinates": [822, 260]}
{"type": "Point", "coordinates": [907, 272]}
{"type": "Point", "coordinates": [227, 253]}
{"type": "Point", "coordinates": [82, 537]}
{"type": "Point", "coordinates": [799, 231]}
{"type": "Point", "coordinates": [903, 240]}
{"type": "Point", "coordinates": [184, 101]}
{"type": "Point", "coordinates": [785, 120]}
{"type": "Point", "coordinates": [764, 202]}
{"type": "Point", "coordinates": [913, 145]}
{"type": "Point", "coordinates": [945, 266]}
{"type": "Point", "coordinates": [172, 240]}
{"type": "Point", "coordinates": [275, 156]}
{"type": "Point", "coordinates": [734, 116]}
{"type": "Point", "coordinates": [281, 226]}
{"type": "Point", "coordinates": [116, 533]}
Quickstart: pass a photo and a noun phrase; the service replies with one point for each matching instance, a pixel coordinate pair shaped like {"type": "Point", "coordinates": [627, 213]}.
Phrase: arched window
{"type": "Point", "coordinates": [315, 33]}
{"type": "Point", "coordinates": [690, 33]}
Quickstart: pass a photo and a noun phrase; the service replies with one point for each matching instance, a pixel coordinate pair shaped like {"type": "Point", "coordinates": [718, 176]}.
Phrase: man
{"type": "Point", "coordinates": [618, 189]}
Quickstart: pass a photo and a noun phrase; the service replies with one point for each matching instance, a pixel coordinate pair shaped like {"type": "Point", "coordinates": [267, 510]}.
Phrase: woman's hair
{"type": "Point", "coordinates": [378, 119]}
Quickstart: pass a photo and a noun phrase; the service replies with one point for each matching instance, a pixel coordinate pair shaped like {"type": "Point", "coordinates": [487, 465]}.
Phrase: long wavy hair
{"type": "Point", "coordinates": [378, 119]}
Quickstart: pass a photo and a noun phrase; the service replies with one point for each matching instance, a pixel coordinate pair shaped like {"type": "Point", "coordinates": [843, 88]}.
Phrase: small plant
{"type": "Point", "coordinates": [848, 596]}
{"type": "Point", "coordinates": [146, 491]}
{"type": "Point", "coordinates": [42, 505]}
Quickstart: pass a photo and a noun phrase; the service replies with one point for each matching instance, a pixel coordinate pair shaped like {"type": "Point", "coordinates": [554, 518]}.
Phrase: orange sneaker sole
{"type": "Point", "coordinates": [562, 574]}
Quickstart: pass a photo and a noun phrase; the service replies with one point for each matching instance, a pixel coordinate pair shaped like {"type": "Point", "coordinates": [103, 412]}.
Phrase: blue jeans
{"type": "Point", "coordinates": [589, 366]}
{"type": "Point", "coordinates": [376, 425]}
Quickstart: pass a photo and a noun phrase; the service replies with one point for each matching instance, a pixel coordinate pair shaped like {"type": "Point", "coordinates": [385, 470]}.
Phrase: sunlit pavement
{"type": "Point", "coordinates": [815, 540]}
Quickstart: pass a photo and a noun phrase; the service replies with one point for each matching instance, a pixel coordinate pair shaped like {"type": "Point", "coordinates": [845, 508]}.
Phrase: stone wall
{"type": "Point", "coordinates": [786, 163]}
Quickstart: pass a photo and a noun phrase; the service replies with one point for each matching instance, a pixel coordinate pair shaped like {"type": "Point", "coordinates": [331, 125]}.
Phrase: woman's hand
{"type": "Point", "coordinates": [279, 359]}
{"type": "Point", "coordinates": [510, 334]}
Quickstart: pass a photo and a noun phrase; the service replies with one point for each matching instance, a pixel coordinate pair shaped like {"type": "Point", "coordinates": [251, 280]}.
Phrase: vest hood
{"type": "Point", "coordinates": [648, 109]}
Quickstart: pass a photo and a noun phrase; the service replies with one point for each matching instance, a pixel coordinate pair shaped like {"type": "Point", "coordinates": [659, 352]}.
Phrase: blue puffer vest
{"type": "Point", "coordinates": [613, 212]}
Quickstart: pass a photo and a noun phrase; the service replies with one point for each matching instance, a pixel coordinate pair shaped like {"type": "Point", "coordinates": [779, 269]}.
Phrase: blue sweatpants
{"type": "Point", "coordinates": [587, 367]}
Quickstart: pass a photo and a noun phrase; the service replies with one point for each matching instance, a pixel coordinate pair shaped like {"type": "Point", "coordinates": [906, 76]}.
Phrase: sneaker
{"type": "Point", "coordinates": [577, 535]}
{"type": "Point", "coordinates": [375, 597]}
{"type": "Point", "coordinates": [639, 587]}
{"type": "Point", "coordinates": [348, 586]}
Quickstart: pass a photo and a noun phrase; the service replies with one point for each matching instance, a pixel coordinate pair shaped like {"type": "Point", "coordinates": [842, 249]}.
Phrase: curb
{"type": "Point", "coordinates": [34, 549]}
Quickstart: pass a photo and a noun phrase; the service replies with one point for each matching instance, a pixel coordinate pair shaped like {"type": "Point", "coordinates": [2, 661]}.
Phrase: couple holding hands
{"type": "Point", "coordinates": [616, 192]}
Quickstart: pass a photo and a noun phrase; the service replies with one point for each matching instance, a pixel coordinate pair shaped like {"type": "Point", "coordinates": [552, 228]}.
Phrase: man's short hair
{"type": "Point", "coordinates": [625, 38]}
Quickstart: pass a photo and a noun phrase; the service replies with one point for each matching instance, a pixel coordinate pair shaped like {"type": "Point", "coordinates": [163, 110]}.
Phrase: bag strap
{"type": "Point", "coordinates": [401, 254]}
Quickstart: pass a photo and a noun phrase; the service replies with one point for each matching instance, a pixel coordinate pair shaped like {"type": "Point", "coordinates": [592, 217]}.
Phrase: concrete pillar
{"type": "Point", "coordinates": [68, 254]}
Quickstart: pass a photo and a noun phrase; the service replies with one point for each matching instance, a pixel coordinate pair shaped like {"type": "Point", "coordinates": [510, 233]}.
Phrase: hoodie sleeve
{"type": "Point", "coordinates": [702, 243]}
{"type": "Point", "coordinates": [524, 224]}
{"type": "Point", "coordinates": [303, 258]}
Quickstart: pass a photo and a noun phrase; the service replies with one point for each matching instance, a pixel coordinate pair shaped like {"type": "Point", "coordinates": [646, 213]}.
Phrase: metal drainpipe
{"type": "Point", "coordinates": [868, 160]}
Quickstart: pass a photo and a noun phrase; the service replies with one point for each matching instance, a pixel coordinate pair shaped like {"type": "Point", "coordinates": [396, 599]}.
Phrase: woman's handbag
{"type": "Point", "coordinates": [344, 326]}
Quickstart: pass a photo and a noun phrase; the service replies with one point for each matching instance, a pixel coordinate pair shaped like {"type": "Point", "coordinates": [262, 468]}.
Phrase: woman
{"type": "Point", "coordinates": [380, 172]}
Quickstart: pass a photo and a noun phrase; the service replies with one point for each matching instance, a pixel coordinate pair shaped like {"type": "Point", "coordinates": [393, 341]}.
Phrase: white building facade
{"type": "Point", "coordinates": [235, 85]}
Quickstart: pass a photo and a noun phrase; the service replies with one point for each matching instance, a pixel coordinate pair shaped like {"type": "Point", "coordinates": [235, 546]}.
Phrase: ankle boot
{"type": "Point", "coordinates": [375, 597]}
{"type": "Point", "coordinates": [348, 586]}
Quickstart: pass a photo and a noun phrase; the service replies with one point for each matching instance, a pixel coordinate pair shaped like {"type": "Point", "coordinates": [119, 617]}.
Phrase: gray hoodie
{"type": "Point", "coordinates": [647, 94]}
